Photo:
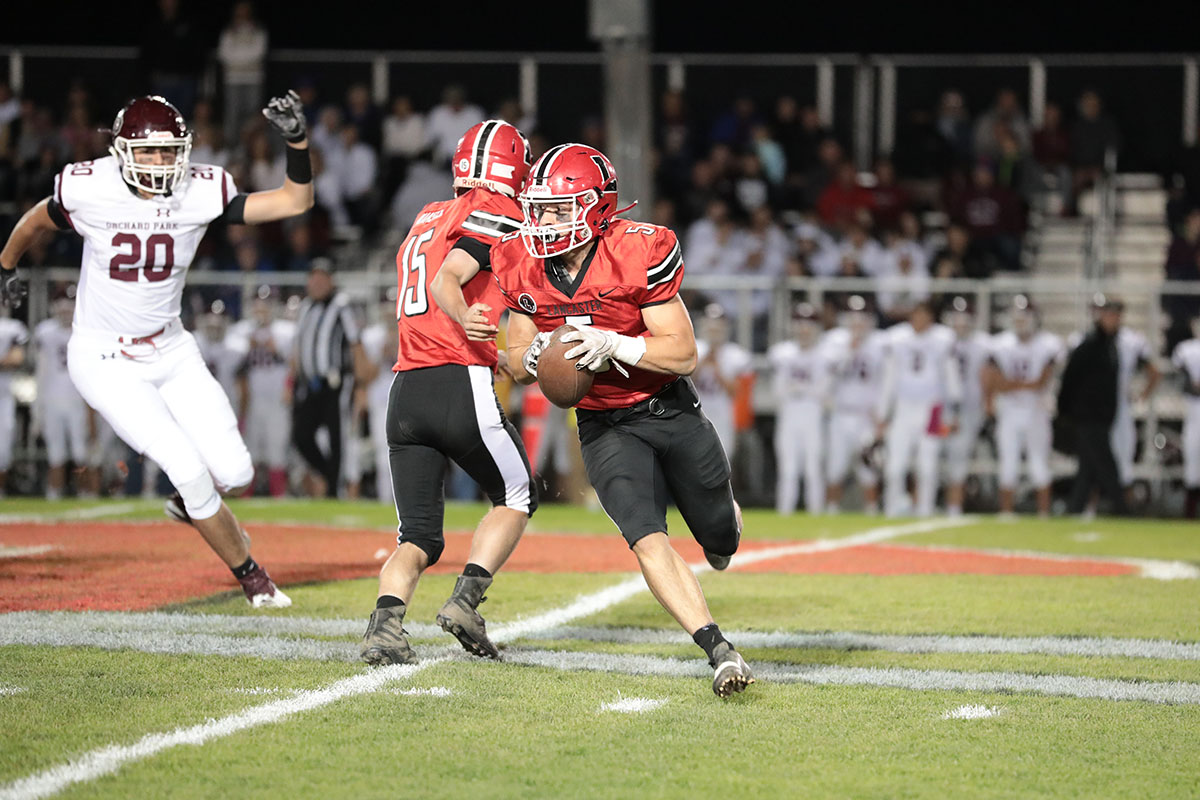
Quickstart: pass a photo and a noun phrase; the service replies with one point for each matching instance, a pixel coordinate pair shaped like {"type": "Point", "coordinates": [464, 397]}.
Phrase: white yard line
{"type": "Point", "coordinates": [1094, 647]}
{"type": "Point", "coordinates": [109, 759]}
{"type": "Point", "coordinates": [1172, 692]}
{"type": "Point", "coordinates": [72, 514]}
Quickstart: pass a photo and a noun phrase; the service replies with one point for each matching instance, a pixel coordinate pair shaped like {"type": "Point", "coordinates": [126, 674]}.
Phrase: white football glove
{"type": "Point", "coordinates": [534, 352]}
{"type": "Point", "coordinates": [599, 348]}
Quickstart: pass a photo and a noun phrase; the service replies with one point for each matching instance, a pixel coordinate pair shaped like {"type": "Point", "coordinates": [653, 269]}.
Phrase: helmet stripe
{"type": "Point", "coordinates": [482, 142]}
{"type": "Point", "coordinates": [547, 160]}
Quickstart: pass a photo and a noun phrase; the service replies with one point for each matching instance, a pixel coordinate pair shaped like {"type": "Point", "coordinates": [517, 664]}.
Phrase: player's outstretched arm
{"type": "Point", "coordinates": [35, 223]}
{"type": "Point", "coordinates": [286, 115]}
{"type": "Point", "coordinates": [457, 268]}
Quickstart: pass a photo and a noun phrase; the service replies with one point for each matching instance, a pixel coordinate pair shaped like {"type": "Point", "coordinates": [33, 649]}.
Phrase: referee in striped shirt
{"type": "Point", "coordinates": [327, 361]}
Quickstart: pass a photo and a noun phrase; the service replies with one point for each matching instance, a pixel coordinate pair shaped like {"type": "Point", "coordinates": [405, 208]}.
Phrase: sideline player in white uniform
{"type": "Point", "coordinates": [920, 396]}
{"type": "Point", "coordinates": [380, 342]}
{"type": "Point", "coordinates": [263, 344]}
{"type": "Point", "coordinates": [802, 381]}
{"type": "Point", "coordinates": [859, 353]}
{"type": "Point", "coordinates": [1133, 355]}
{"type": "Point", "coordinates": [62, 415]}
{"type": "Point", "coordinates": [1022, 366]}
{"type": "Point", "coordinates": [972, 350]}
{"type": "Point", "coordinates": [13, 338]}
{"type": "Point", "coordinates": [217, 349]}
{"type": "Point", "coordinates": [1186, 359]}
{"type": "Point", "coordinates": [142, 212]}
{"type": "Point", "coordinates": [720, 367]}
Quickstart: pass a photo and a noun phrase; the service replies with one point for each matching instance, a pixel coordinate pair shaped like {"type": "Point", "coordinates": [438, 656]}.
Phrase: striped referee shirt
{"type": "Point", "coordinates": [325, 332]}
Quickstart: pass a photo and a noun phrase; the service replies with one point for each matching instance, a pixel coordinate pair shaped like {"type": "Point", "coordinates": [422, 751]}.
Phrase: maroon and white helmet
{"type": "Point", "coordinates": [151, 122]}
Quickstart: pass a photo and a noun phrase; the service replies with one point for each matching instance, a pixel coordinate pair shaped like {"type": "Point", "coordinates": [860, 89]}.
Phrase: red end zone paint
{"type": "Point", "coordinates": [115, 566]}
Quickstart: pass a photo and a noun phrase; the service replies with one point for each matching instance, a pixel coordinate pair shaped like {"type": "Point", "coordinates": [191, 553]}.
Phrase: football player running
{"type": "Point", "coordinates": [442, 403]}
{"type": "Point", "coordinates": [142, 212]}
{"type": "Point", "coordinates": [1022, 364]}
{"type": "Point", "coordinates": [645, 440]}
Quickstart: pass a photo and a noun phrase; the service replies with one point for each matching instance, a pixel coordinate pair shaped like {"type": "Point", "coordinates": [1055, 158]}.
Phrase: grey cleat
{"type": "Point", "coordinates": [386, 641]}
{"type": "Point", "coordinates": [731, 674]}
{"type": "Point", "coordinates": [717, 562]}
{"type": "Point", "coordinates": [459, 617]}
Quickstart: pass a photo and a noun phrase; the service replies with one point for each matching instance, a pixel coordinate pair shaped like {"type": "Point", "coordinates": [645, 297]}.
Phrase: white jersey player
{"type": "Point", "coordinates": [971, 353]}
{"type": "Point", "coordinates": [1023, 361]}
{"type": "Point", "coordinates": [263, 344]}
{"type": "Point", "coordinates": [919, 401]}
{"type": "Point", "coordinates": [13, 338]}
{"type": "Point", "coordinates": [62, 415]}
{"type": "Point", "coordinates": [1186, 359]}
{"type": "Point", "coordinates": [142, 212]}
{"type": "Point", "coordinates": [858, 354]}
{"type": "Point", "coordinates": [1133, 355]}
{"type": "Point", "coordinates": [802, 373]}
{"type": "Point", "coordinates": [721, 365]}
{"type": "Point", "coordinates": [218, 351]}
{"type": "Point", "coordinates": [380, 342]}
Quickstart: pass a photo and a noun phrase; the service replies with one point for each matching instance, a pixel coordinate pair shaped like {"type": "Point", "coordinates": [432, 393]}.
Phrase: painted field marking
{"type": "Point", "coordinates": [1168, 692]}
{"type": "Point", "coordinates": [87, 512]}
{"type": "Point", "coordinates": [8, 691]}
{"type": "Point", "coordinates": [973, 712]}
{"type": "Point", "coordinates": [1154, 568]}
{"type": "Point", "coordinates": [632, 705]}
{"type": "Point", "coordinates": [432, 691]}
{"type": "Point", "coordinates": [109, 759]}
{"type": "Point", "coordinates": [17, 552]}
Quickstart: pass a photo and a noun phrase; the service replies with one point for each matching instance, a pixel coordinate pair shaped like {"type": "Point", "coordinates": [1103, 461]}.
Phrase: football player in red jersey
{"type": "Point", "coordinates": [441, 403]}
{"type": "Point", "coordinates": [645, 440]}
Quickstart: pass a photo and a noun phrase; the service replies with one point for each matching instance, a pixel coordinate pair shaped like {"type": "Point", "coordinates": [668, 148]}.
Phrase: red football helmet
{"type": "Point", "coordinates": [145, 123]}
{"type": "Point", "coordinates": [580, 183]}
{"type": "Point", "coordinates": [494, 155]}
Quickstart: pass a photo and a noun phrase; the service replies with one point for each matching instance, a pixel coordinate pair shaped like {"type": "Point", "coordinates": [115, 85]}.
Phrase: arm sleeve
{"type": "Point", "coordinates": [664, 269]}
{"type": "Point", "coordinates": [488, 226]}
{"type": "Point", "coordinates": [480, 251]}
{"type": "Point", "coordinates": [57, 216]}
{"type": "Point", "coordinates": [233, 204]}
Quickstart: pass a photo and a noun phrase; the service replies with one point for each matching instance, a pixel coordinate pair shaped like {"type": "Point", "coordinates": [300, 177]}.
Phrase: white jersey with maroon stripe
{"type": "Point", "coordinates": [136, 251]}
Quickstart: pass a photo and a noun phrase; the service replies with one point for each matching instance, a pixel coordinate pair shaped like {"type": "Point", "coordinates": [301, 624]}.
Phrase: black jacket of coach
{"type": "Point", "coordinates": [1088, 393]}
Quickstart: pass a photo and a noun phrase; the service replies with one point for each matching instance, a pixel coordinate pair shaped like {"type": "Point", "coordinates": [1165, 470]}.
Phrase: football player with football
{"type": "Point", "coordinates": [142, 212]}
{"type": "Point", "coordinates": [442, 403]}
{"type": "Point", "coordinates": [645, 440]}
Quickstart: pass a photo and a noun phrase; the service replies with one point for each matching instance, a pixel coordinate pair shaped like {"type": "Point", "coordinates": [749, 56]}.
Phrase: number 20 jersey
{"type": "Point", "coordinates": [136, 251]}
{"type": "Point", "coordinates": [633, 265]}
{"type": "Point", "coordinates": [428, 336]}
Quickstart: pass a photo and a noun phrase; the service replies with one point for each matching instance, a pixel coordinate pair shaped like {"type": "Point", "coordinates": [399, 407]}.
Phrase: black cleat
{"type": "Point", "coordinates": [731, 674]}
{"type": "Point", "coordinates": [459, 617]}
{"type": "Point", "coordinates": [386, 641]}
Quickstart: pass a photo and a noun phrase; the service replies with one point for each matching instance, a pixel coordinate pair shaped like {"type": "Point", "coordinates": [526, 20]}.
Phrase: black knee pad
{"type": "Point", "coordinates": [431, 545]}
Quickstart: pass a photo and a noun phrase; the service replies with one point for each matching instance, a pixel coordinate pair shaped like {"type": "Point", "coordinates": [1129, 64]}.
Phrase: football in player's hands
{"type": "Point", "coordinates": [286, 115]}
{"type": "Point", "coordinates": [560, 378]}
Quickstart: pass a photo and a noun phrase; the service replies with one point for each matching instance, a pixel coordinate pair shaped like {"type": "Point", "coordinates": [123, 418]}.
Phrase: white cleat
{"type": "Point", "coordinates": [277, 600]}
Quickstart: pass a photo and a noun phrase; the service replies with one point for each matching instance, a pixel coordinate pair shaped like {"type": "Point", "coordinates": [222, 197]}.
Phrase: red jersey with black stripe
{"type": "Point", "coordinates": [632, 266]}
{"type": "Point", "coordinates": [474, 221]}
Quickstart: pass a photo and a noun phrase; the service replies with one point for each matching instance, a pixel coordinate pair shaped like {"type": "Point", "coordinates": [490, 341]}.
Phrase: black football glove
{"type": "Point", "coordinates": [13, 289]}
{"type": "Point", "coordinates": [286, 115]}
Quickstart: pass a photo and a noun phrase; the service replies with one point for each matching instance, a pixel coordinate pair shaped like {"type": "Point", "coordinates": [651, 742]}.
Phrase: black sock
{"type": "Point", "coordinates": [708, 638]}
{"type": "Point", "coordinates": [475, 571]}
{"type": "Point", "coordinates": [389, 601]}
{"type": "Point", "coordinates": [245, 569]}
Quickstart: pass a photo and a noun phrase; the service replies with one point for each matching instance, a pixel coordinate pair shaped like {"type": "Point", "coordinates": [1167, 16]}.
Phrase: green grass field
{"type": "Point", "coordinates": [863, 678]}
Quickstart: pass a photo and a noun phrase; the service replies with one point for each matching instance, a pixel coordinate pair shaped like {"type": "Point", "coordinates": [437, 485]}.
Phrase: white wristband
{"type": "Point", "coordinates": [629, 349]}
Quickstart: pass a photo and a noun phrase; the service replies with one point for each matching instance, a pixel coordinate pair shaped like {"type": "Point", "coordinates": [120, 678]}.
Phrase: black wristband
{"type": "Point", "coordinates": [299, 166]}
